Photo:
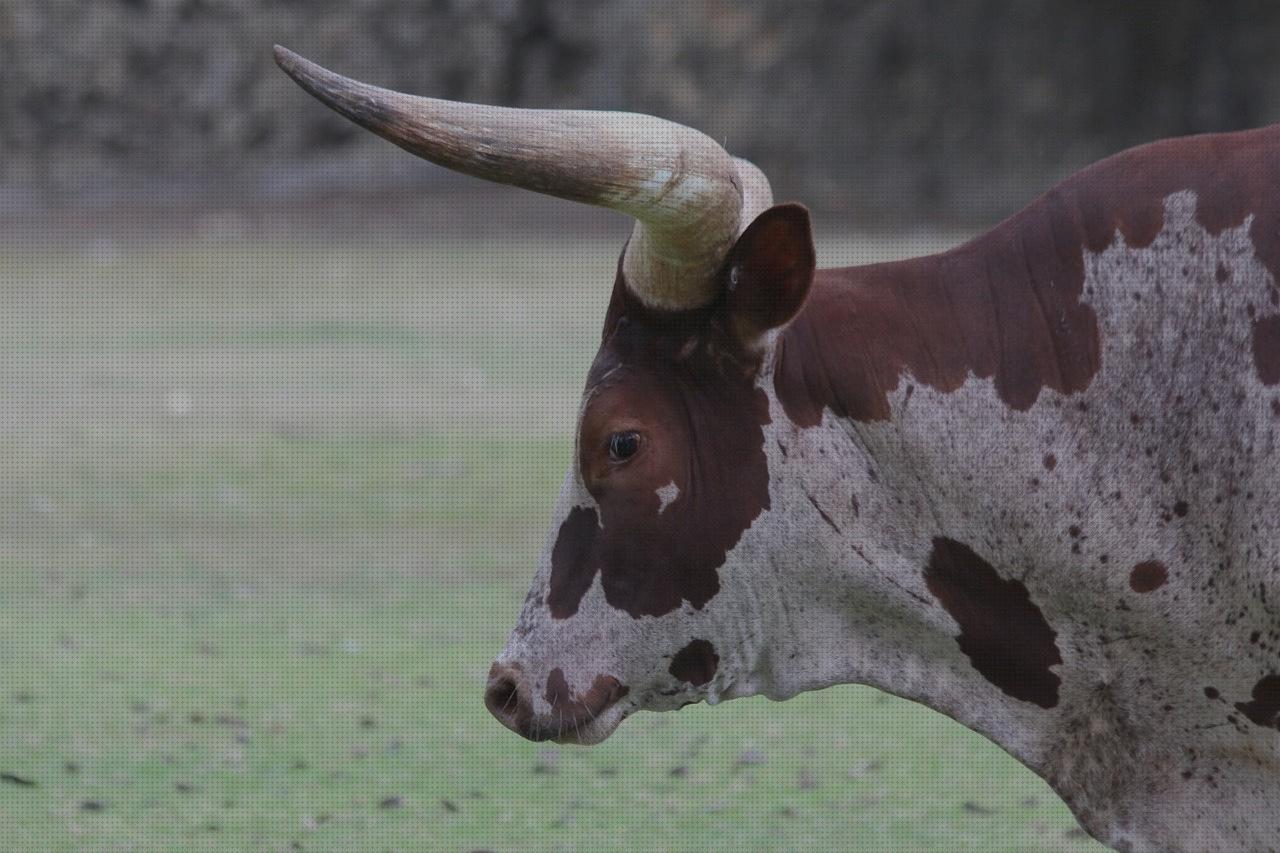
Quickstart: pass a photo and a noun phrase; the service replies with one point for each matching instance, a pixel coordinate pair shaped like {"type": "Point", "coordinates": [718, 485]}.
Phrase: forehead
{"type": "Point", "coordinates": [664, 375]}
{"type": "Point", "coordinates": [635, 359]}
{"type": "Point", "coordinates": [662, 353]}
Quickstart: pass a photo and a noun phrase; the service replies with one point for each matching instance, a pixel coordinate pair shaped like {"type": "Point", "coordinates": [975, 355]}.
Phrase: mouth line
{"type": "Point", "coordinates": [577, 730]}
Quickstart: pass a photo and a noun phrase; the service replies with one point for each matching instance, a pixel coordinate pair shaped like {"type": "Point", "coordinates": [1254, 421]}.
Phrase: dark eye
{"type": "Point", "coordinates": [623, 445]}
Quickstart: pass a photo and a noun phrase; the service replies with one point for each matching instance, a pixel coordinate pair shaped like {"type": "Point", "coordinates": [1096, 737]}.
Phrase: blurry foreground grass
{"type": "Point", "coordinates": [270, 511]}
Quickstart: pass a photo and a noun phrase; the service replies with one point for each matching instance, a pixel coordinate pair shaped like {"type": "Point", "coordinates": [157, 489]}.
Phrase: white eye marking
{"type": "Point", "coordinates": [734, 275]}
{"type": "Point", "coordinates": [666, 495]}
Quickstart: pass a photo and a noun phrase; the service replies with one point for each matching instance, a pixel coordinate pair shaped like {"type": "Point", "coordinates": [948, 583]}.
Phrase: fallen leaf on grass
{"type": "Point", "coordinates": [975, 808]}
{"type": "Point", "coordinates": [395, 803]}
{"type": "Point", "coordinates": [15, 779]}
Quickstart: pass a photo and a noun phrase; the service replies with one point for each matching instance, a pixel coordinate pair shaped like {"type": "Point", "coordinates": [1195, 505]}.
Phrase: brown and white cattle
{"type": "Point", "coordinates": [1032, 482]}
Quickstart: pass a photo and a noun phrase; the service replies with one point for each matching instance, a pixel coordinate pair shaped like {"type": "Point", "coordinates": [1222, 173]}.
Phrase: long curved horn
{"type": "Point", "coordinates": [685, 191]}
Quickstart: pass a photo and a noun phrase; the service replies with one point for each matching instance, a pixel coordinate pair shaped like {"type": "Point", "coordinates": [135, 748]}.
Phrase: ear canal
{"type": "Point", "coordinates": [769, 271]}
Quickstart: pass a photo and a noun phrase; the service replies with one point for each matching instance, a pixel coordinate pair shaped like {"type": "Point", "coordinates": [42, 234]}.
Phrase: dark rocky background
{"type": "Point", "coordinates": [876, 112]}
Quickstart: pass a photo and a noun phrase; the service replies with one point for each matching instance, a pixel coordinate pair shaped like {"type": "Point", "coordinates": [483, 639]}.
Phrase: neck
{"type": "Point", "coordinates": [890, 581]}
{"type": "Point", "coordinates": [960, 541]}
{"type": "Point", "coordinates": [920, 578]}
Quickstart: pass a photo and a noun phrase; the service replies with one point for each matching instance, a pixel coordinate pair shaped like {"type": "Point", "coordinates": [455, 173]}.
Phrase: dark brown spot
{"type": "Point", "coordinates": [1002, 631]}
{"type": "Point", "coordinates": [572, 569]}
{"type": "Point", "coordinates": [1212, 692]}
{"type": "Point", "coordinates": [1148, 576]}
{"type": "Point", "coordinates": [1180, 509]}
{"type": "Point", "coordinates": [1050, 462]}
{"type": "Point", "coordinates": [1264, 710]}
{"type": "Point", "coordinates": [1221, 274]}
{"type": "Point", "coordinates": [696, 663]}
{"type": "Point", "coordinates": [1266, 349]}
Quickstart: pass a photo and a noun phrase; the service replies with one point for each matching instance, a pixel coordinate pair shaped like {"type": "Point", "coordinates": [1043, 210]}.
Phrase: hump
{"type": "Point", "coordinates": [1232, 175]}
{"type": "Point", "coordinates": [1008, 304]}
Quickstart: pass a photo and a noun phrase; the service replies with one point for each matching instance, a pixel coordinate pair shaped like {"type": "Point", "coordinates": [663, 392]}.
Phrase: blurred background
{"type": "Point", "coordinates": [903, 112]}
{"type": "Point", "coordinates": [284, 410]}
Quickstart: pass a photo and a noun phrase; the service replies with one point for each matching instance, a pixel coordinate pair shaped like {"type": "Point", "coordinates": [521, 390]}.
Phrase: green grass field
{"type": "Point", "coordinates": [270, 511]}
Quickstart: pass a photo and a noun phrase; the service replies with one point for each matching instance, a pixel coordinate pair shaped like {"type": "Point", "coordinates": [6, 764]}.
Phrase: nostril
{"type": "Point", "coordinates": [503, 695]}
{"type": "Point", "coordinates": [504, 698]}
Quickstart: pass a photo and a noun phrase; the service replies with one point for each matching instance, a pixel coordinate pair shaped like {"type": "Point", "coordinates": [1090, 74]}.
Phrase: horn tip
{"type": "Point", "coordinates": [286, 59]}
{"type": "Point", "coordinates": [297, 66]}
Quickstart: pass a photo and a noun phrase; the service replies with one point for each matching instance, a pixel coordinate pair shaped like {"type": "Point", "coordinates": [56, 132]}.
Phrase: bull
{"type": "Point", "coordinates": [1030, 482]}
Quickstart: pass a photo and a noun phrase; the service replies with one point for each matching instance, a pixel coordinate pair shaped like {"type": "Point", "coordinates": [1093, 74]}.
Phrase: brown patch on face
{"type": "Point", "coordinates": [1148, 576]}
{"type": "Point", "coordinates": [1266, 349]}
{"type": "Point", "coordinates": [696, 663]}
{"type": "Point", "coordinates": [1264, 710]}
{"type": "Point", "coordinates": [700, 418]}
{"type": "Point", "coordinates": [1007, 306]}
{"type": "Point", "coordinates": [572, 712]}
{"type": "Point", "coordinates": [572, 569]}
{"type": "Point", "coordinates": [1002, 631]}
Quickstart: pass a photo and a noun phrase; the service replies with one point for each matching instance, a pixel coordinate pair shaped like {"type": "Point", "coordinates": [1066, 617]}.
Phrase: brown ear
{"type": "Point", "coordinates": [768, 272]}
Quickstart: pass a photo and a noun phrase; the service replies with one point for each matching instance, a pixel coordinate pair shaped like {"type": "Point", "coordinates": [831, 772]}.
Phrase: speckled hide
{"type": "Point", "coordinates": [1030, 482]}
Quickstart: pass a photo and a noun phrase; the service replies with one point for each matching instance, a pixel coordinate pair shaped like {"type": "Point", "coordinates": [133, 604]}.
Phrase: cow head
{"type": "Point", "coordinates": [642, 596]}
{"type": "Point", "coordinates": [669, 471]}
